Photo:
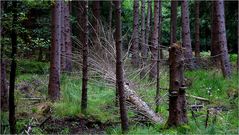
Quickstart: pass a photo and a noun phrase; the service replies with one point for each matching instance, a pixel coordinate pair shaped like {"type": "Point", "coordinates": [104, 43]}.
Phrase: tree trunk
{"type": "Point", "coordinates": [177, 99]}
{"type": "Point", "coordinates": [154, 47]}
{"type": "Point", "coordinates": [158, 62]}
{"type": "Point", "coordinates": [143, 43]}
{"type": "Point", "coordinates": [173, 26]}
{"type": "Point", "coordinates": [119, 69]}
{"type": "Point", "coordinates": [55, 61]}
{"type": "Point", "coordinates": [96, 23]}
{"type": "Point", "coordinates": [12, 119]}
{"type": "Point", "coordinates": [85, 57]}
{"type": "Point", "coordinates": [135, 38]}
{"type": "Point", "coordinates": [215, 50]}
{"type": "Point", "coordinates": [68, 43]}
{"type": "Point", "coordinates": [220, 20]}
{"type": "Point", "coordinates": [197, 30]}
{"type": "Point", "coordinates": [160, 31]}
{"type": "Point", "coordinates": [186, 36]}
{"type": "Point", "coordinates": [63, 45]}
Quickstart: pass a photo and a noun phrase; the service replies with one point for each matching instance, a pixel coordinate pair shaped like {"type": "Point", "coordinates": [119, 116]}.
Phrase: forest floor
{"type": "Point", "coordinates": [39, 116]}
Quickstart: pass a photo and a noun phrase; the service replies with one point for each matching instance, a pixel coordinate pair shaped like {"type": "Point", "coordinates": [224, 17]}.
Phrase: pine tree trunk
{"type": "Point", "coordinates": [186, 36]}
{"type": "Point", "coordinates": [135, 38]}
{"type": "Point", "coordinates": [160, 31]}
{"type": "Point", "coordinates": [197, 30]}
{"type": "Point", "coordinates": [85, 57]}
{"type": "Point", "coordinates": [154, 47]}
{"type": "Point", "coordinates": [158, 62]}
{"type": "Point", "coordinates": [63, 42]}
{"type": "Point", "coordinates": [119, 68]}
{"type": "Point", "coordinates": [67, 37]}
{"type": "Point", "coordinates": [220, 19]}
{"type": "Point", "coordinates": [12, 119]}
{"type": "Point", "coordinates": [215, 50]}
{"type": "Point", "coordinates": [143, 42]}
{"type": "Point", "coordinates": [177, 99]}
{"type": "Point", "coordinates": [173, 27]}
{"type": "Point", "coordinates": [238, 40]}
{"type": "Point", "coordinates": [96, 23]}
{"type": "Point", "coordinates": [55, 61]}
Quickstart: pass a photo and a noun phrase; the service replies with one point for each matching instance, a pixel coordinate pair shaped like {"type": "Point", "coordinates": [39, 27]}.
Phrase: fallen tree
{"type": "Point", "coordinates": [102, 65]}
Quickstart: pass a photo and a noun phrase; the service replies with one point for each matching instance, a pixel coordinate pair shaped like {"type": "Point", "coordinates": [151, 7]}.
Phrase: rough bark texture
{"type": "Point", "coordinates": [85, 58]}
{"type": "Point", "coordinates": [148, 22]}
{"type": "Point", "coordinates": [67, 33]}
{"type": "Point", "coordinates": [215, 50]}
{"type": "Point", "coordinates": [55, 64]}
{"type": "Point", "coordinates": [186, 39]}
{"type": "Point", "coordinates": [119, 69]}
{"type": "Point", "coordinates": [135, 38]}
{"type": "Point", "coordinates": [158, 62]}
{"type": "Point", "coordinates": [143, 42]}
{"type": "Point", "coordinates": [177, 99]}
{"type": "Point", "coordinates": [197, 30]}
{"type": "Point", "coordinates": [12, 119]}
{"type": "Point", "coordinates": [96, 22]}
{"type": "Point", "coordinates": [220, 19]}
{"type": "Point", "coordinates": [63, 45]}
{"type": "Point", "coordinates": [173, 26]}
{"type": "Point", "coordinates": [154, 47]}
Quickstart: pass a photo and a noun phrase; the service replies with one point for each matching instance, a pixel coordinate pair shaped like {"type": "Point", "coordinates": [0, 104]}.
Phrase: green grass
{"type": "Point", "coordinates": [101, 101]}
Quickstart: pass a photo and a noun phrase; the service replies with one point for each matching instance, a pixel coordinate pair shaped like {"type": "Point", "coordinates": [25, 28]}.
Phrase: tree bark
{"type": "Point", "coordinates": [197, 30]}
{"type": "Point", "coordinates": [173, 26]}
{"type": "Point", "coordinates": [63, 45]}
{"type": "Point", "coordinates": [177, 99]}
{"type": "Point", "coordinates": [224, 57]}
{"type": "Point", "coordinates": [238, 39]}
{"type": "Point", "coordinates": [135, 38]}
{"type": "Point", "coordinates": [215, 50]}
{"type": "Point", "coordinates": [85, 57]}
{"type": "Point", "coordinates": [119, 69]}
{"type": "Point", "coordinates": [154, 47]}
{"type": "Point", "coordinates": [96, 23]}
{"type": "Point", "coordinates": [186, 36]}
{"type": "Point", "coordinates": [55, 61]}
{"type": "Point", "coordinates": [158, 62]}
{"type": "Point", "coordinates": [12, 119]}
{"type": "Point", "coordinates": [143, 42]}
{"type": "Point", "coordinates": [68, 42]}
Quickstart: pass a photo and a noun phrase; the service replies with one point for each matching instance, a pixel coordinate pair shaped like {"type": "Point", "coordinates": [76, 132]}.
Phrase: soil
{"type": "Point", "coordinates": [75, 125]}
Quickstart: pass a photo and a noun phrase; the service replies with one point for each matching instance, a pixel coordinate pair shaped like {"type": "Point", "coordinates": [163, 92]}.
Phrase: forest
{"type": "Point", "coordinates": [119, 67]}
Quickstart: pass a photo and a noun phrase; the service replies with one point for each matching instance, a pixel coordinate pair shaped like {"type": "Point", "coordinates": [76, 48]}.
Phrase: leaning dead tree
{"type": "Point", "coordinates": [177, 97]}
{"type": "Point", "coordinates": [102, 65]}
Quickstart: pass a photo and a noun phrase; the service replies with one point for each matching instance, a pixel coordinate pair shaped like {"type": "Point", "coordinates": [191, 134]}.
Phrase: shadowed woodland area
{"type": "Point", "coordinates": [119, 67]}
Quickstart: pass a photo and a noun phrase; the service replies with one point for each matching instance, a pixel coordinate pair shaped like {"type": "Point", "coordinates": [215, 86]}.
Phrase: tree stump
{"type": "Point", "coordinates": [177, 97]}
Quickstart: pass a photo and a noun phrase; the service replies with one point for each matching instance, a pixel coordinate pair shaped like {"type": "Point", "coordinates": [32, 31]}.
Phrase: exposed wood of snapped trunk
{"type": "Point", "coordinates": [135, 38]}
{"type": "Point", "coordinates": [85, 57]}
{"type": "Point", "coordinates": [220, 19]}
{"type": "Point", "coordinates": [154, 47]}
{"type": "Point", "coordinates": [119, 69]}
{"type": "Point", "coordinates": [186, 36]}
{"type": "Point", "coordinates": [55, 64]}
{"type": "Point", "coordinates": [177, 99]}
